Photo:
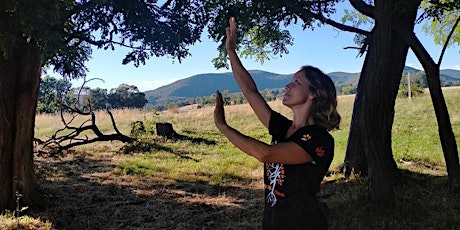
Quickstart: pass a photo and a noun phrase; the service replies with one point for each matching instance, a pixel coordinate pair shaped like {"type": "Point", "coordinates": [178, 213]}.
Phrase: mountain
{"type": "Point", "coordinates": [342, 78]}
{"type": "Point", "coordinates": [450, 73]}
{"type": "Point", "coordinates": [203, 85]}
{"type": "Point", "coordinates": [206, 84]}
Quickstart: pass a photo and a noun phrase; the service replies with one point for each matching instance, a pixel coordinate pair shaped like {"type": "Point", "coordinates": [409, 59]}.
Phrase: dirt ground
{"type": "Point", "coordinates": [82, 192]}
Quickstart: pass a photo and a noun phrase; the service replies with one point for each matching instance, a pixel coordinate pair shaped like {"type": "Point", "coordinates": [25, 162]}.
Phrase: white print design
{"type": "Point", "coordinates": [273, 177]}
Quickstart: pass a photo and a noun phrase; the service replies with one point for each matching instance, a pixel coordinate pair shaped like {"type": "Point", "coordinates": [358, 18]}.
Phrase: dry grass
{"type": "Point", "coordinates": [46, 125]}
{"type": "Point", "coordinates": [10, 221]}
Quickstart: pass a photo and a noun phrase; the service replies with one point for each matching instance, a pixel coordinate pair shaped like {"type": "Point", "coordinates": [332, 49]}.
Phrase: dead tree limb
{"type": "Point", "coordinates": [72, 135]}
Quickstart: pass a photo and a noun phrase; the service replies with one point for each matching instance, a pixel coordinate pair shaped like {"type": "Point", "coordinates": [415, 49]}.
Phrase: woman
{"type": "Point", "coordinates": [302, 148]}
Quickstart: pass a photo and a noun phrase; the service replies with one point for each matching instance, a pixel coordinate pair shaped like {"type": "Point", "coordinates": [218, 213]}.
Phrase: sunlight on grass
{"type": "Point", "coordinates": [10, 222]}
{"type": "Point", "coordinates": [192, 163]}
{"type": "Point", "coordinates": [415, 130]}
{"type": "Point", "coordinates": [415, 136]}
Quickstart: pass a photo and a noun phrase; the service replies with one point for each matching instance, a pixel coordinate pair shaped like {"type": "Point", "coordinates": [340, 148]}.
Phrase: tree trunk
{"type": "Point", "coordinates": [19, 84]}
{"type": "Point", "coordinates": [165, 129]}
{"type": "Point", "coordinates": [382, 73]}
{"type": "Point", "coordinates": [355, 157]}
{"type": "Point", "coordinates": [446, 135]}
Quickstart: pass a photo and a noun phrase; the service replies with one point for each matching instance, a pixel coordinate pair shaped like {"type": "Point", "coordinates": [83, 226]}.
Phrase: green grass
{"type": "Point", "coordinates": [187, 161]}
{"type": "Point", "coordinates": [194, 166]}
{"type": "Point", "coordinates": [415, 130]}
{"type": "Point", "coordinates": [415, 137]}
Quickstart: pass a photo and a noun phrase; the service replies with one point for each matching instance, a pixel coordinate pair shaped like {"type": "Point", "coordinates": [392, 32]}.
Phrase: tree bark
{"type": "Point", "coordinates": [382, 72]}
{"type": "Point", "coordinates": [19, 84]}
{"type": "Point", "coordinates": [355, 161]}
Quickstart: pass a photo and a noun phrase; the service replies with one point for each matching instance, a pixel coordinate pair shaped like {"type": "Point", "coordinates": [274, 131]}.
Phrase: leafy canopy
{"type": "Point", "coordinates": [66, 31]}
{"type": "Point", "coordinates": [444, 15]}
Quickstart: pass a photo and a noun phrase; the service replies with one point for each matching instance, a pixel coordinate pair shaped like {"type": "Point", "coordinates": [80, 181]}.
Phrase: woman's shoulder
{"type": "Point", "coordinates": [316, 131]}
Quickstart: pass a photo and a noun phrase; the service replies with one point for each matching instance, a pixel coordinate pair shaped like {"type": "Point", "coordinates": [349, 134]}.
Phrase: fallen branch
{"type": "Point", "coordinates": [60, 142]}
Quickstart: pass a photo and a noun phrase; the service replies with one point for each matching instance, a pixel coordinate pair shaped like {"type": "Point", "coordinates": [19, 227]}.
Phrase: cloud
{"type": "Point", "coordinates": [145, 85]}
{"type": "Point", "coordinates": [414, 66]}
{"type": "Point", "coordinates": [456, 67]}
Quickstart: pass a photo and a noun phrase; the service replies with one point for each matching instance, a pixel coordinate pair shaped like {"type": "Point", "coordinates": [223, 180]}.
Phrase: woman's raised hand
{"type": "Point", "coordinates": [219, 112]}
{"type": "Point", "coordinates": [230, 43]}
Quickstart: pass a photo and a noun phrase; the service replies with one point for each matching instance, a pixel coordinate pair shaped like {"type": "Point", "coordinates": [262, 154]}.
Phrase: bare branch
{"type": "Point", "coordinates": [72, 139]}
{"type": "Point", "coordinates": [113, 122]}
{"type": "Point", "coordinates": [60, 142]}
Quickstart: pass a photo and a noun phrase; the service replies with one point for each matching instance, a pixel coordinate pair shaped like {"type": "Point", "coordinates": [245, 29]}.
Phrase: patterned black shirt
{"type": "Point", "coordinates": [290, 190]}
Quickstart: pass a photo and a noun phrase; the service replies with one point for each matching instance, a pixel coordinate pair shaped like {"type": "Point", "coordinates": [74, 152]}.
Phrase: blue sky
{"type": "Point", "coordinates": [323, 48]}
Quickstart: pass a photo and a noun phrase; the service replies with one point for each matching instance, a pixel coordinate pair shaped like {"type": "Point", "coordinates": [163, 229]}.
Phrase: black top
{"type": "Point", "coordinates": [290, 190]}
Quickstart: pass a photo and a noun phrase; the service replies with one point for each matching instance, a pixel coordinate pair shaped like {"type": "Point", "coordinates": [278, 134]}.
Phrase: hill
{"type": "Point", "coordinates": [203, 85]}
{"type": "Point", "coordinates": [206, 84]}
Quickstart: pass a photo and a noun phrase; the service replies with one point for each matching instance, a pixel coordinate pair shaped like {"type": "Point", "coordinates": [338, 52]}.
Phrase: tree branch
{"type": "Point", "coordinates": [305, 14]}
{"type": "Point", "coordinates": [414, 43]}
{"type": "Point", "coordinates": [113, 122]}
{"type": "Point", "coordinates": [72, 139]}
{"type": "Point", "coordinates": [447, 40]}
{"type": "Point", "coordinates": [58, 143]}
{"type": "Point", "coordinates": [363, 8]}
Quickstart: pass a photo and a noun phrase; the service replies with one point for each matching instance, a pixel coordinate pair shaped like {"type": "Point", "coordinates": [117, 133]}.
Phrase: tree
{"type": "Point", "coordinates": [348, 89]}
{"type": "Point", "coordinates": [439, 10]}
{"type": "Point", "coordinates": [369, 146]}
{"type": "Point", "coordinates": [356, 154]}
{"type": "Point", "coordinates": [52, 93]}
{"type": "Point", "coordinates": [377, 89]}
{"type": "Point", "coordinates": [98, 98]}
{"type": "Point", "coordinates": [61, 34]}
{"type": "Point", "coordinates": [442, 15]}
{"type": "Point", "coordinates": [360, 152]}
{"type": "Point", "coordinates": [126, 96]}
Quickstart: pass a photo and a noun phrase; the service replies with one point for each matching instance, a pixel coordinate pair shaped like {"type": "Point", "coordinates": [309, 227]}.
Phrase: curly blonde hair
{"type": "Point", "coordinates": [324, 111]}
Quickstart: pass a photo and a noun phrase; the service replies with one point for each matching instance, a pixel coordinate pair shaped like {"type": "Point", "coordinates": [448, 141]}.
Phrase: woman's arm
{"type": "Point", "coordinates": [244, 79]}
{"type": "Point", "coordinates": [286, 152]}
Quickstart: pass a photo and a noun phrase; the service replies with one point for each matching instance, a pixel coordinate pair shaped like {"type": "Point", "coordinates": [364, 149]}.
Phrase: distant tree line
{"type": "Point", "coordinates": [54, 92]}
{"type": "Point", "coordinates": [229, 99]}
{"type": "Point", "coordinates": [418, 83]}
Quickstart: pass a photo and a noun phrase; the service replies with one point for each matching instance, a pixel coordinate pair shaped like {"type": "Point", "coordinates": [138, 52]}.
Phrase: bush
{"type": "Point", "coordinates": [404, 91]}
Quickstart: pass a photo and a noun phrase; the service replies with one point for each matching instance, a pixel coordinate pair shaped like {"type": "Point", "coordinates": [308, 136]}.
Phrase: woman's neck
{"type": "Point", "coordinates": [301, 117]}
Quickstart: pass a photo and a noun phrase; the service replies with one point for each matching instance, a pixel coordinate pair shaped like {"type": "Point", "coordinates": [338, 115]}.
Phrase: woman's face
{"type": "Point", "coordinates": [297, 91]}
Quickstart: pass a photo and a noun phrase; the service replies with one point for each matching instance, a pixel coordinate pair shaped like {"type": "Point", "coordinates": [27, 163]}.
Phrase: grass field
{"type": "Point", "coordinates": [203, 182]}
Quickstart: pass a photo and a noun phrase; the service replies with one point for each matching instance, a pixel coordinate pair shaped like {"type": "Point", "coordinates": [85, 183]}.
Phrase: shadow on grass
{"type": "Point", "coordinates": [423, 201]}
{"type": "Point", "coordinates": [143, 146]}
{"type": "Point", "coordinates": [83, 193]}
{"type": "Point", "coordinates": [195, 140]}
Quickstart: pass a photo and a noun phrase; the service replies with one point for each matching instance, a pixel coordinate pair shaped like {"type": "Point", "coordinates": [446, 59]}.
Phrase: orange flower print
{"type": "Point", "coordinates": [305, 137]}
{"type": "Point", "coordinates": [320, 151]}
